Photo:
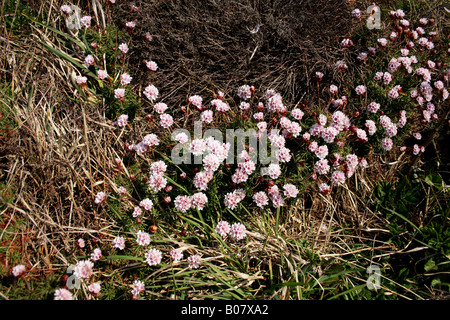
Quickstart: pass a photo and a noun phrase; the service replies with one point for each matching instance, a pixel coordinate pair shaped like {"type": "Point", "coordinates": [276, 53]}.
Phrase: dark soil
{"type": "Point", "coordinates": [204, 45]}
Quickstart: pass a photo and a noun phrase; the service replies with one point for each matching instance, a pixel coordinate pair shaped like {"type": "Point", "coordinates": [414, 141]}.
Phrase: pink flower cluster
{"type": "Point", "coordinates": [236, 231]}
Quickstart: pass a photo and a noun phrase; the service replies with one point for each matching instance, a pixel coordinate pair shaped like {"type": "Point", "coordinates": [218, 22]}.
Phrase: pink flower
{"type": "Point", "coordinates": [382, 42]}
{"type": "Point", "coordinates": [65, 9]}
{"type": "Point", "coordinates": [63, 294]}
{"type": "Point", "coordinates": [123, 47]}
{"type": "Point", "coordinates": [248, 167]}
{"type": "Point", "coordinates": [290, 190]}
{"type": "Point", "coordinates": [148, 36]}
{"type": "Point", "coordinates": [231, 200]}
{"type": "Point", "coordinates": [439, 85]}
{"type": "Point", "coordinates": [363, 163]}
{"type": "Point", "coordinates": [417, 135]}
{"type": "Point", "coordinates": [119, 93]}
{"type": "Point", "coordinates": [94, 288]}
{"type": "Point", "coordinates": [321, 152]}
{"type": "Point", "coordinates": [391, 130]}
{"type": "Point", "coordinates": [362, 56]}
{"type": "Point", "coordinates": [89, 60]}
{"type": "Point", "coordinates": [324, 188]}
{"type": "Point", "coordinates": [244, 106]}
{"type": "Point", "coordinates": [220, 106]}
{"type": "Point", "coordinates": [371, 127]}
{"type": "Point", "coordinates": [122, 191]}
{"type": "Point", "coordinates": [138, 288]}
{"type": "Point", "coordinates": [338, 177]}
{"type": "Point", "coordinates": [96, 254]}
{"type": "Point", "coordinates": [239, 176]}
{"type": "Point", "coordinates": [81, 243]}
{"type": "Point", "coordinates": [378, 76]}
{"type": "Point", "coordinates": [244, 92]}
{"type": "Point", "coordinates": [275, 103]}
{"type": "Point", "coordinates": [122, 120]}
{"type": "Point", "coordinates": [176, 254]}
{"type": "Point", "coordinates": [322, 166]}
{"type": "Point", "coordinates": [274, 170]}
{"type": "Point", "coordinates": [130, 24]}
{"type": "Point", "coordinates": [373, 107]}
{"type": "Point", "coordinates": [151, 92]}
{"type": "Point", "coordinates": [166, 120]}
{"type": "Point", "coordinates": [151, 65]}
{"type": "Point", "coordinates": [319, 76]}
{"type": "Point", "coordinates": [385, 121]}
{"type": "Point", "coordinates": [352, 161]}
{"type": "Point", "coordinates": [261, 199]}
{"type": "Point", "coordinates": [360, 90]}
{"type": "Point", "coordinates": [387, 78]}
{"type": "Point", "coordinates": [223, 228]}
{"type": "Point", "coordinates": [313, 146]}
{"type": "Point", "coordinates": [146, 204]}
{"type": "Point", "coordinates": [393, 66]}
{"type": "Point", "coordinates": [283, 155]}
{"type": "Point", "coordinates": [143, 238]}
{"type": "Point", "coordinates": [119, 243]}
{"type": "Point", "coordinates": [333, 89]}
{"type": "Point", "coordinates": [402, 122]}
{"type": "Point", "coordinates": [194, 261]}
{"type": "Point", "coordinates": [211, 162]}
{"type": "Point", "coordinates": [198, 147]}
{"type": "Point", "coordinates": [356, 13]}
{"type": "Point", "coordinates": [316, 130]}
{"type": "Point", "coordinates": [297, 114]}
{"type": "Point", "coordinates": [387, 144]}
{"type": "Point", "coordinates": [158, 167]}
{"type": "Point", "coordinates": [276, 140]}
{"type": "Point", "coordinates": [207, 116]}
{"type": "Point", "coordinates": [102, 74]}
{"type": "Point", "coordinates": [182, 138]}
{"type": "Point", "coordinates": [125, 79]}
{"type": "Point", "coordinates": [277, 200]}
{"type": "Point", "coordinates": [341, 65]}
{"type": "Point", "coordinates": [416, 149]}
{"type": "Point", "coordinates": [329, 134]}
{"type": "Point", "coordinates": [346, 43]}
{"type": "Point", "coordinates": [137, 212]}
{"type": "Point", "coordinates": [295, 129]}
{"type": "Point", "coordinates": [361, 135]}
{"type": "Point", "coordinates": [238, 231]}
{"type": "Point", "coordinates": [100, 197]}
{"type": "Point", "coordinates": [83, 269]}
{"type": "Point", "coordinates": [153, 257]}
{"type": "Point", "coordinates": [182, 203]}
{"type": "Point", "coordinates": [259, 116]}
{"type": "Point", "coordinates": [393, 93]}
{"type": "Point", "coordinates": [196, 100]}
{"type": "Point", "coordinates": [80, 80]}
{"type": "Point", "coordinates": [86, 21]}
{"type": "Point", "coordinates": [199, 200]}
{"type": "Point", "coordinates": [202, 179]}
{"type": "Point", "coordinates": [393, 35]}
{"type": "Point", "coordinates": [18, 270]}
{"type": "Point", "coordinates": [150, 140]}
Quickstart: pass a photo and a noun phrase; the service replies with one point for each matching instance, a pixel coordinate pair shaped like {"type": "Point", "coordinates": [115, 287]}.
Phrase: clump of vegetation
{"type": "Point", "coordinates": [243, 189]}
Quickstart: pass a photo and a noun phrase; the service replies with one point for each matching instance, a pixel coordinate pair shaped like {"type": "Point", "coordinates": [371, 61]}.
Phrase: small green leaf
{"type": "Point", "coordinates": [430, 265]}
